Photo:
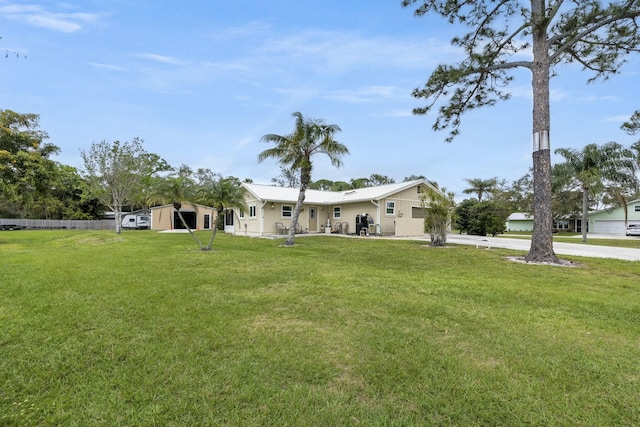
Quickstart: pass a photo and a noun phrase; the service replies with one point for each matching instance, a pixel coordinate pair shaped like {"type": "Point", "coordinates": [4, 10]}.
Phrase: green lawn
{"type": "Point", "coordinates": [145, 329]}
{"type": "Point", "coordinates": [633, 242]}
{"type": "Point", "coordinates": [615, 241]}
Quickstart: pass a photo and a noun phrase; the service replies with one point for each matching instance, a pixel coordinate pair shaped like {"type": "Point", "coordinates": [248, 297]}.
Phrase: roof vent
{"type": "Point", "coordinates": [349, 192]}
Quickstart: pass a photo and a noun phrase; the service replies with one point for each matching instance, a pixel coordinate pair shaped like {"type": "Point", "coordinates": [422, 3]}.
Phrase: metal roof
{"type": "Point", "coordinates": [290, 195]}
{"type": "Point", "coordinates": [520, 216]}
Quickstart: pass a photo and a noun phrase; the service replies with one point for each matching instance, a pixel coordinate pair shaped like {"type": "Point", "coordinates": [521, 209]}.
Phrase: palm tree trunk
{"type": "Point", "coordinates": [305, 178]}
{"type": "Point", "coordinates": [189, 229]}
{"type": "Point", "coordinates": [585, 207]}
{"type": "Point", "coordinates": [214, 231]}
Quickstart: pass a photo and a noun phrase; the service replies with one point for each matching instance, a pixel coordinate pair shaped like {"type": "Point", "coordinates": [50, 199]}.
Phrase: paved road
{"type": "Point", "coordinates": [575, 249]}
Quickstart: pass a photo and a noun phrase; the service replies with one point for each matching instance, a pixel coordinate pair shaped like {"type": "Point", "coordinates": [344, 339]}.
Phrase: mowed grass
{"type": "Point", "coordinates": [145, 329]}
{"type": "Point", "coordinates": [632, 242]}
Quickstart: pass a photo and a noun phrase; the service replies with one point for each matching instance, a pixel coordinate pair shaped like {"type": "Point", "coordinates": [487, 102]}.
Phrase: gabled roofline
{"type": "Point", "coordinates": [326, 198]}
{"type": "Point", "coordinates": [184, 203]}
{"type": "Point", "coordinates": [612, 208]}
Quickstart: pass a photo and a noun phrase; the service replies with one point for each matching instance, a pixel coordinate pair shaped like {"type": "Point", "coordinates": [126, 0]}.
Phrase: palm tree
{"type": "Point", "coordinates": [596, 168]}
{"type": "Point", "coordinates": [480, 186]}
{"type": "Point", "coordinates": [295, 150]}
{"type": "Point", "coordinates": [223, 194]}
{"type": "Point", "coordinates": [439, 208]}
{"type": "Point", "coordinates": [175, 190]}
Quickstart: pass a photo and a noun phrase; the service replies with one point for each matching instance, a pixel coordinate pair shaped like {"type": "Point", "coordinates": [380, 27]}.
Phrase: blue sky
{"type": "Point", "coordinates": [202, 81]}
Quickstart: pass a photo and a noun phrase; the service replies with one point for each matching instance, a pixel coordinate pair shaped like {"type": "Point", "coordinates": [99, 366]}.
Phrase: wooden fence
{"type": "Point", "coordinates": [57, 224]}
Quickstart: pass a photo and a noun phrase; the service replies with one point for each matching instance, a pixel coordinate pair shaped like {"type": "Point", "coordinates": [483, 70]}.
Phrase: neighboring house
{"type": "Point", "coordinates": [612, 221]}
{"type": "Point", "coordinates": [606, 221]}
{"type": "Point", "coordinates": [198, 217]}
{"type": "Point", "coordinates": [520, 221]}
{"type": "Point", "coordinates": [394, 209]}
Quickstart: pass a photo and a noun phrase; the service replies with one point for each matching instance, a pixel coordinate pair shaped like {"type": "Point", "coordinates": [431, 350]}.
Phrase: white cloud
{"type": "Point", "coordinates": [617, 119]}
{"type": "Point", "coordinates": [159, 58]}
{"type": "Point", "coordinates": [341, 51]}
{"type": "Point", "coordinates": [250, 29]}
{"type": "Point", "coordinates": [107, 66]}
{"type": "Point", "coordinates": [38, 16]}
{"type": "Point", "coordinates": [366, 94]}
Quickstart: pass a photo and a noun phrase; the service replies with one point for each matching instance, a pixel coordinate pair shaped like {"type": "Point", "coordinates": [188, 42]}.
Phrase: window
{"type": "Point", "coordinates": [636, 208]}
{"type": "Point", "coordinates": [391, 208]}
{"type": "Point", "coordinates": [241, 214]}
{"type": "Point", "coordinates": [252, 211]}
{"type": "Point", "coordinates": [417, 212]}
{"type": "Point", "coordinates": [337, 212]}
{"type": "Point", "coordinates": [207, 221]}
{"type": "Point", "coordinates": [287, 211]}
{"type": "Point", "coordinates": [561, 225]}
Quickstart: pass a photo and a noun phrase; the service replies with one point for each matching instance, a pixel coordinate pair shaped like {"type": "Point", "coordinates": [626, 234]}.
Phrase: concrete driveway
{"type": "Point", "coordinates": [575, 249]}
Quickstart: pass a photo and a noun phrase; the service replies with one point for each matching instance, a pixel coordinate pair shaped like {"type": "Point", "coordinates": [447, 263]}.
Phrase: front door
{"type": "Point", "coordinates": [228, 222]}
{"type": "Point", "coordinates": [313, 220]}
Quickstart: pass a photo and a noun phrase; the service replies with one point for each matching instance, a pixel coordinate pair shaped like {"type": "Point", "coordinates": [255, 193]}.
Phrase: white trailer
{"type": "Point", "coordinates": [136, 221]}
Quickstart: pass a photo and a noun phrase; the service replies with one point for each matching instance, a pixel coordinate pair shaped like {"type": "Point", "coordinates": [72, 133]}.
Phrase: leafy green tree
{"type": "Point", "coordinates": [480, 187]}
{"type": "Point", "coordinates": [413, 178]}
{"type": "Point", "coordinates": [295, 150]}
{"type": "Point", "coordinates": [491, 217]}
{"type": "Point", "coordinates": [596, 168]}
{"type": "Point", "coordinates": [439, 207]}
{"type": "Point", "coordinates": [288, 177]}
{"type": "Point", "coordinates": [632, 126]}
{"type": "Point", "coordinates": [322, 184]}
{"type": "Point", "coordinates": [114, 173]}
{"type": "Point", "coordinates": [521, 189]}
{"type": "Point", "coordinates": [596, 35]}
{"type": "Point", "coordinates": [355, 183]}
{"type": "Point", "coordinates": [340, 186]}
{"type": "Point", "coordinates": [465, 215]}
{"type": "Point", "coordinates": [26, 171]}
{"type": "Point", "coordinates": [376, 180]}
{"type": "Point", "coordinates": [66, 198]}
{"type": "Point", "coordinates": [481, 218]}
{"type": "Point", "coordinates": [566, 196]}
{"type": "Point", "coordinates": [153, 166]}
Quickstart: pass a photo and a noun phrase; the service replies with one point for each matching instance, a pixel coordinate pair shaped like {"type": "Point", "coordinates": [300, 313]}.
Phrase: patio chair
{"type": "Point", "coordinates": [343, 227]}
{"type": "Point", "coordinates": [336, 227]}
{"type": "Point", "coordinates": [281, 229]}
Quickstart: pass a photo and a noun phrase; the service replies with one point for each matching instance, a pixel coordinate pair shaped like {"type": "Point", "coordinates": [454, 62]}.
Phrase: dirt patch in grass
{"type": "Point", "coordinates": [561, 263]}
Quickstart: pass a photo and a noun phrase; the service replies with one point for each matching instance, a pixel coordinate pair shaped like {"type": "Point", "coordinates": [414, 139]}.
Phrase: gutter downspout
{"type": "Point", "coordinates": [377, 205]}
{"type": "Point", "coordinates": [262, 218]}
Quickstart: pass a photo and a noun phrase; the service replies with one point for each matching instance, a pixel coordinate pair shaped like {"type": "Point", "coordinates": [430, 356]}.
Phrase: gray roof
{"type": "Point", "coordinates": [520, 216]}
{"type": "Point", "coordinates": [290, 195]}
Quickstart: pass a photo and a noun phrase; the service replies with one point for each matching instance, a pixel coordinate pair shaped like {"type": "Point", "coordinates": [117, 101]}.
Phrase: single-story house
{"type": "Point", "coordinates": [612, 221]}
{"type": "Point", "coordinates": [520, 221]}
{"type": "Point", "coordinates": [198, 217]}
{"type": "Point", "coordinates": [605, 221]}
{"type": "Point", "coordinates": [393, 209]}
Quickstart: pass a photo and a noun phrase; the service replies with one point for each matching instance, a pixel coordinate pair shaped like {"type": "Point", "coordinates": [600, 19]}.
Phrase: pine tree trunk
{"type": "Point", "coordinates": [542, 239]}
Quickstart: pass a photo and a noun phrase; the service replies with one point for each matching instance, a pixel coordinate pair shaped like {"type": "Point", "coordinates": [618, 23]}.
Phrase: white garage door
{"type": "Point", "coordinates": [609, 227]}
